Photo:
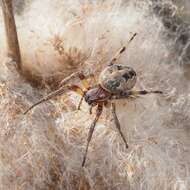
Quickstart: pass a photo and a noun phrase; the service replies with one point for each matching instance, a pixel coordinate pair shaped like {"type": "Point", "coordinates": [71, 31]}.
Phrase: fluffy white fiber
{"type": "Point", "coordinates": [44, 149]}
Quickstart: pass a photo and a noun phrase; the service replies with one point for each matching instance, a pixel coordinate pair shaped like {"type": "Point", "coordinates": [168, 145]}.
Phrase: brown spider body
{"type": "Point", "coordinates": [115, 82]}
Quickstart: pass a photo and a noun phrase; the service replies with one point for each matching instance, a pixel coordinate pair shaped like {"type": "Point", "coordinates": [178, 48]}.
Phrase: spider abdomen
{"type": "Point", "coordinates": [117, 78]}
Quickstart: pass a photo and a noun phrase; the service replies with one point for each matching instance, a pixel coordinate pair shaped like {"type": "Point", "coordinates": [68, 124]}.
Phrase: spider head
{"type": "Point", "coordinates": [117, 78]}
{"type": "Point", "coordinates": [89, 98]}
{"type": "Point", "coordinates": [95, 95]}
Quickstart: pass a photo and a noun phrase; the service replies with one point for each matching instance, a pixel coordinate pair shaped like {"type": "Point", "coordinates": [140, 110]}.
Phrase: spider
{"type": "Point", "coordinates": [115, 82]}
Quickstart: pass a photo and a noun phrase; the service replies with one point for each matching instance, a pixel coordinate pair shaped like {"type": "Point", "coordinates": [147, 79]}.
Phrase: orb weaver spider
{"type": "Point", "coordinates": [115, 82]}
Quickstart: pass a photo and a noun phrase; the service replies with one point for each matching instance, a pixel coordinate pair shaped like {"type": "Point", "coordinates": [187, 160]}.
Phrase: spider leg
{"type": "Point", "coordinates": [82, 77]}
{"type": "Point", "coordinates": [67, 79]}
{"type": "Point", "coordinates": [84, 81]}
{"type": "Point", "coordinates": [144, 92]}
{"type": "Point", "coordinates": [80, 103]}
{"type": "Point", "coordinates": [91, 130]}
{"type": "Point", "coordinates": [60, 91]}
{"type": "Point", "coordinates": [133, 94]}
{"type": "Point", "coordinates": [121, 50]}
{"type": "Point", "coordinates": [90, 110]}
{"type": "Point", "coordinates": [117, 124]}
{"type": "Point", "coordinates": [86, 85]}
{"type": "Point", "coordinates": [93, 78]}
{"type": "Point", "coordinates": [76, 89]}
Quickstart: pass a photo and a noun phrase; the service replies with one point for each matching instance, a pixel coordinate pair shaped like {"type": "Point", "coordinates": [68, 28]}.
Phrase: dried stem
{"type": "Point", "coordinates": [11, 33]}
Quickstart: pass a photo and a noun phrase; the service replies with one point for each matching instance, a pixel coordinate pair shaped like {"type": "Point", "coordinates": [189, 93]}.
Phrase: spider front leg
{"type": "Point", "coordinates": [82, 78]}
{"type": "Point", "coordinates": [85, 84]}
{"type": "Point", "coordinates": [117, 124]}
{"type": "Point", "coordinates": [80, 102]}
{"type": "Point", "coordinates": [60, 91]}
{"type": "Point", "coordinates": [91, 130]}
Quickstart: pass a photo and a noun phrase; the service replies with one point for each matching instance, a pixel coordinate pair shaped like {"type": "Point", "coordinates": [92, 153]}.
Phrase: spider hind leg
{"type": "Point", "coordinates": [117, 124]}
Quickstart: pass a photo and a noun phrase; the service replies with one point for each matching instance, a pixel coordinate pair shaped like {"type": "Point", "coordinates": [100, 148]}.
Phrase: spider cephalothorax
{"type": "Point", "coordinates": [115, 82]}
{"type": "Point", "coordinates": [96, 94]}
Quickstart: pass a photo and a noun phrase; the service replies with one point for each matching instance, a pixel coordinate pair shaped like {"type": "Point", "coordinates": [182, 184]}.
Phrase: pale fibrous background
{"type": "Point", "coordinates": [44, 149]}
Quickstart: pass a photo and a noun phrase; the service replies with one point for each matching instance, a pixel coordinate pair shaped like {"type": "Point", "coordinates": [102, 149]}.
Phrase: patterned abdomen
{"type": "Point", "coordinates": [117, 78]}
